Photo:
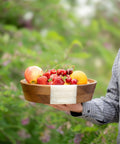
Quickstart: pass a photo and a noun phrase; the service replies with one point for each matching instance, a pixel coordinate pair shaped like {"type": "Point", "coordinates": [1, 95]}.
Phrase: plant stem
{"type": "Point", "coordinates": [8, 137]}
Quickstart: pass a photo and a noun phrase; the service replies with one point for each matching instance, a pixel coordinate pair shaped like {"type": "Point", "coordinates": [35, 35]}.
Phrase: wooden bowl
{"type": "Point", "coordinates": [58, 94]}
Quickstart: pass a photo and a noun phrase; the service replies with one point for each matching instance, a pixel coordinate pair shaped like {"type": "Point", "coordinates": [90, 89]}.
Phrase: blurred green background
{"type": "Point", "coordinates": [54, 33]}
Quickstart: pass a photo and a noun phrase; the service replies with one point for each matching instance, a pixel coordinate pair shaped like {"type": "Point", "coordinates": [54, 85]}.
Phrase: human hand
{"type": "Point", "coordinates": [67, 107]}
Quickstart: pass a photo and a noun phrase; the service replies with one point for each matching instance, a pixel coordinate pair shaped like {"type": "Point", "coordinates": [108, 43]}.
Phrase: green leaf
{"type": "Point", "coordinates": [83, 55]}
{"type": "Point", "coordinates": [76, 44]}
{"type": "Point", "coordinates": [77, 128]}
{"type": "Point", "coordinates": [49, 79]}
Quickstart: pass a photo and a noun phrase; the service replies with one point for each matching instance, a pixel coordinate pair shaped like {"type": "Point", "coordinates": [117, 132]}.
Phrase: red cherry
{"type": "Point", "coordinates": [73, 82]}
{"type": "Point", "coordinates": [63, 72]}
{"type": "Point", "coordinates": [47, 74]}
{"type": "Point", "coordinates": [59, 71]}
{"type": "Point", "coordinates": [68, 79]}
{"type": "Point", "coordinates": [53, 71]}
{"type": "Point", "coordinates": [69, 71]}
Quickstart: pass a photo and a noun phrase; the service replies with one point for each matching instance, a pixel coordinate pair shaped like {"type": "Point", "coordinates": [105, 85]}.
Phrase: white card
{"type": "Point", "coordinates": [63, 94]}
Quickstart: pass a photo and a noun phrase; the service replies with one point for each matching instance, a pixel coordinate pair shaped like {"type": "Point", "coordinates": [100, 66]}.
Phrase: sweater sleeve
{"type": "Point", "coordinates": [105, 109]}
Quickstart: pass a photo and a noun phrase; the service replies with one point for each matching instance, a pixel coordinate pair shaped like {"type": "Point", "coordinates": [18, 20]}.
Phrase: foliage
{"type": "Point", "coordinates": [52, 38]}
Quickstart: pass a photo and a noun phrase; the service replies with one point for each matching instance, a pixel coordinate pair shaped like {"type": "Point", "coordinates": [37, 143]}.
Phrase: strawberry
{"type": "Point", "coordinates": [53, 76]}
{"type": "Point", "coordinates": [42, 80]}
{"type": "Point", "coordinates": [50, 83]}
{"type": "Point", "coordinates": [73, 82]}
{"type": "Point", "coordinates": [58, 81]}
{"type": "Point", "coordinates": [47, 74]}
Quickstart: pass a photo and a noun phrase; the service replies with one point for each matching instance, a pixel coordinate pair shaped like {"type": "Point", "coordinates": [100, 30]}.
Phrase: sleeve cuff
{"type": "Point", "coordinates": [90, 112]}
{"type": "Point", "coordinates": [88, 109]}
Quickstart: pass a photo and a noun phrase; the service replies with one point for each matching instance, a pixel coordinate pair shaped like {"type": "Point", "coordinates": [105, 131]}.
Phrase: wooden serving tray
{"type": "Point", "coordinates": [58, 94]}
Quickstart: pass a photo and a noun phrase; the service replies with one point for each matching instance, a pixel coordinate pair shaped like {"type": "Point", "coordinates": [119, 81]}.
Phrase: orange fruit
{"type": "Point", "coordinates": [80, 77]}
{"type": "Point", "coordinates": [88, 82]}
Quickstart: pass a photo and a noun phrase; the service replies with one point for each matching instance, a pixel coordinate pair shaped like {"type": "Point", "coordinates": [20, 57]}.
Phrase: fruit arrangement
{"type": "Point", "coordinates": [57, 86]}
{"type": "Point", "coordinates": [35, 75]}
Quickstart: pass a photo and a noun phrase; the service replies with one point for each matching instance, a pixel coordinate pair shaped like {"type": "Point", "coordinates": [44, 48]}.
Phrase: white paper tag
{"type": "Point", "coordinates": [63, 94]}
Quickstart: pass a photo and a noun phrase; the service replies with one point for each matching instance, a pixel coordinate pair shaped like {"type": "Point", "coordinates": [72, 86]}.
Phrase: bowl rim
{"type": "Point", "coordinates": [23, 81]}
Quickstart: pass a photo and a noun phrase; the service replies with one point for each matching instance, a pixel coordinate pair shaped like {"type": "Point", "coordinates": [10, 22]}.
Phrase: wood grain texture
{"type": "Point", "coordinates": [36, 93]}
{"type": "Point", "coordinates": [85, 92]}
{"type": "Point", "coordinates": [41, 93]}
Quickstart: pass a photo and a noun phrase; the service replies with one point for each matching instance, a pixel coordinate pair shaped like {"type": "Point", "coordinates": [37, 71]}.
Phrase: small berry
{"type": "Point", "coordinates": [63, 72]}
{"type": "Point", "coordinates": [47, 74]}
{"type": "Point", "coordinates": [58, 81]}
{"type": "Point", "coordinates": [59, 71]}
{"type": "Point", "coordinates": [68, 79]}
{"type": "Point", "coordinates": [53, 76]}
{"type": "Point", "coordinates": [50, 83]}
{"type": "Point", "coordinates": [73, 82]}
{"type": "Point", "coordinates": [42, 80]}
{"type": "Point", "coordinates": [69, 71]}
{"type": "Point", "coordinates": [53, 71]}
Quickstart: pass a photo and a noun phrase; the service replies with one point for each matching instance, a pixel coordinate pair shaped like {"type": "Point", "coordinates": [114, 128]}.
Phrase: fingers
{"type": "Point", "coordinates": [74, 107]}
{"type": "Point", "coordinates": [52, 105]}
{"type": "Point", "coordinates": [61, 107]}
{"type": "Point", "coordinates": [67, 107]}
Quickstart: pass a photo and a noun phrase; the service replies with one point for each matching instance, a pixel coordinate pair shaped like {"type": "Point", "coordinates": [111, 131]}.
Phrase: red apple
{"type": "Point", "coordinates": [32, 73]}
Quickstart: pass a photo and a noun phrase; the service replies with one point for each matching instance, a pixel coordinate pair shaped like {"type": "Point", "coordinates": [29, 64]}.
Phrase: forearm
{"type": "Point", "coordinates": [90, 112]}
{"type": "Point", "coordinates": [105, 109]}
{"type": "Point", "coordinates": [99, 111]}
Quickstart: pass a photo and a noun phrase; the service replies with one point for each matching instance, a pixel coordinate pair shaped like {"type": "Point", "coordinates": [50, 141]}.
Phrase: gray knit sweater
{"type": "Point", "coordinates": [106, 109]}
